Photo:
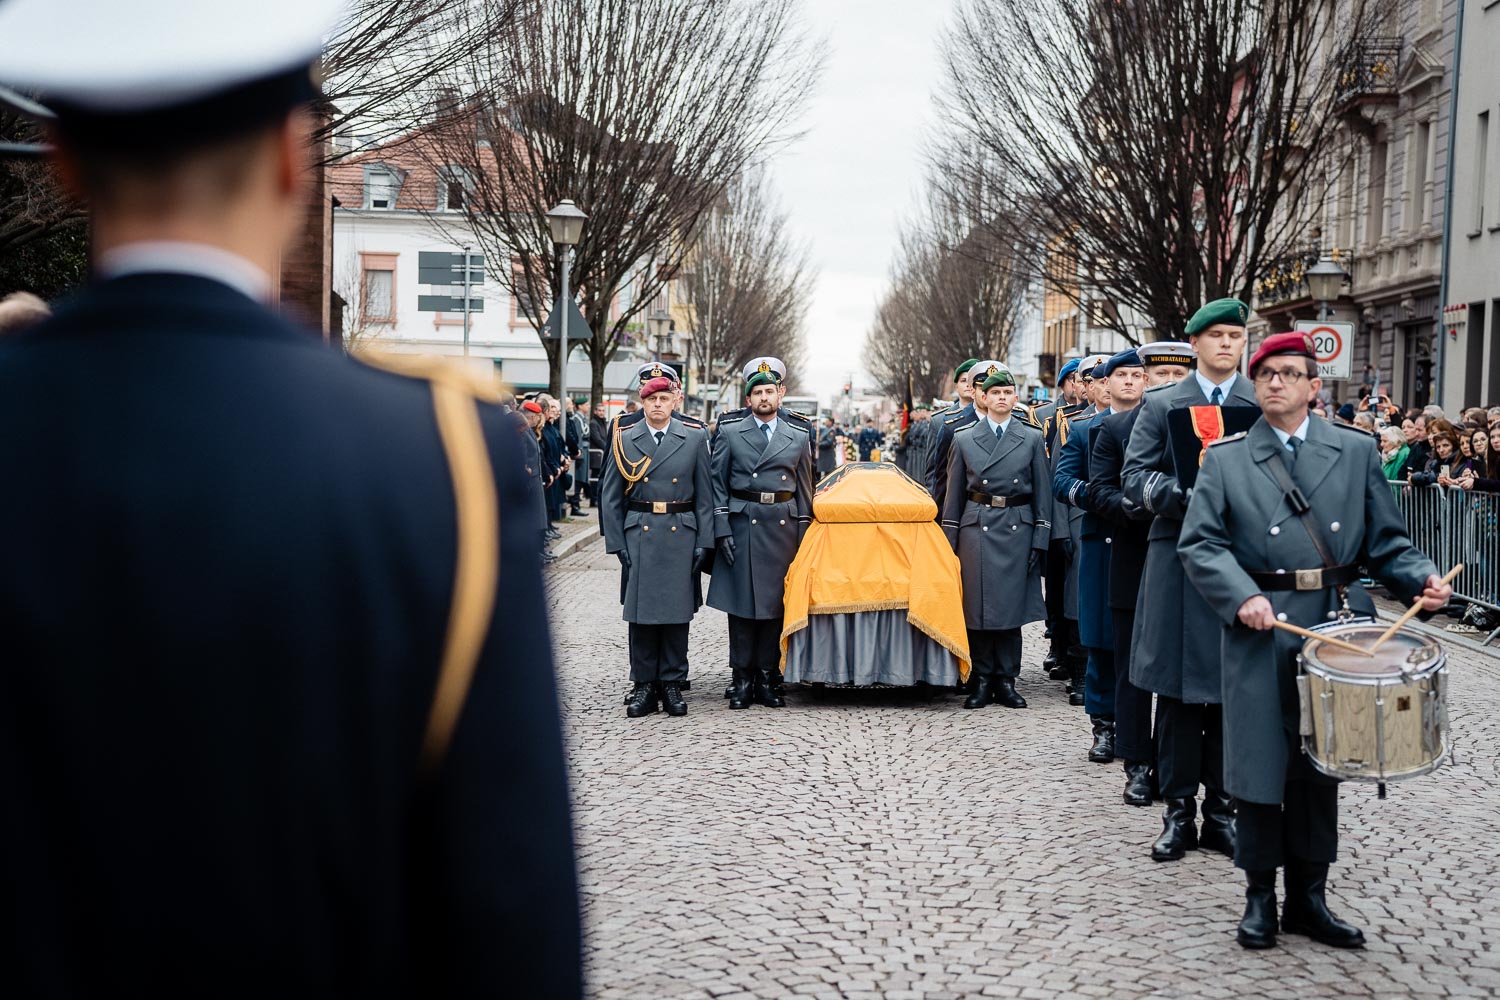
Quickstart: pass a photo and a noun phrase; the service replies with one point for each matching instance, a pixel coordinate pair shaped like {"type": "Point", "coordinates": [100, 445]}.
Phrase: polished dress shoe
{"type": "Point", "coordinates": [1057, 666]}
{"type": "Point", "coordinates": [671, 699]}
{"type": "Point", "coordinates": [1178, 834]}
{"type": "Point", "coordinates": [1075, 691]}
{"type": "Point", "coordinates": [742, 689]}
{"type": "Point", "coordinates": [1103, 750]}
{"type": "Point", "coordinates": [642, 701]}
{"type": "Point", "coordinates": [765, 689]}
{"type": "Point", "coordinates": [1218, 830]}
{"type": "Point", "coordinates": [1137, 783]}
{"type": "Point", "coordinates": [980, 692]}
{"type": "Point", "coordinates": [1258, 926]}
{"type": "Point", "coordinates": [1306, 909]}
{"type": "Point", "coordinates": [553, 534]}
{"type": "Point", "coordinates": [1004, 692]}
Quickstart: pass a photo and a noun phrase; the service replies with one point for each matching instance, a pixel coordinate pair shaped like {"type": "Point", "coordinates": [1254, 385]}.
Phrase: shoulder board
{"type": "Point", "coordinates": [689, 421]}
{"type": "Point", "coordinates": [1075, 417]}
{"type": "Point", "coordinates": [1031, 421]}
{"type": "Point", "coordinates": [1159, 388]}
{"type": "Point", "coordinates": [1357, 430]}
{"type": "Point", "coordinates": [939, 412]}
{"type": "Point", "coordinates": [1228, 438]}
{"type": "Point", "coordinates": [629, 419]}
{"type": "Point", "coordinates": [729, 418]}
{"type": "Point", "coordinates": [955, 419]}
{"type": "Point", "coordinates": [797, 415]}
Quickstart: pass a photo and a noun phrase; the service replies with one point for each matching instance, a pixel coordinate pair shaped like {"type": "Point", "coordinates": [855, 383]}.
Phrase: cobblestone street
{"type": "Point", "coordinates": [885, 844]}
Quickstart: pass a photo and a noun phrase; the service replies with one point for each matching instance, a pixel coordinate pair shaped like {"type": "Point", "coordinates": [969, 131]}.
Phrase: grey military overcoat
{"type": "Point", "coordinates": [1239, 520]}
{"type": "Point", "coordinates": [918, 449]}
{"type": "Point", "coordinates": [994, 544]}
{"type": "Point", "coordinates": [661, 588]}
{"type": "Point", "coordinates": [1172, 653]}
{"type": "Point", "coordinates": [766, 535]}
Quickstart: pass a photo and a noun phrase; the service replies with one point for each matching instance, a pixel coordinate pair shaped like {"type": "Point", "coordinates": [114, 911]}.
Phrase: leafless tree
{"type": "Point", "coordinates": [1170, 147]}
{"type": "Point", "coordinates": [749, 283]}
{"type": "Point", "coordinates": [640, 111]}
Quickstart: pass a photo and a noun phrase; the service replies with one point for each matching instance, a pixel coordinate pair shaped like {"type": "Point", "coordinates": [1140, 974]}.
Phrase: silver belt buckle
{"type": "Point", "coordinates": [997, 501]}
{"type": "Point", "coordinates": [768, 498]}
{"type": "Point", "coordinates": [1310, 579]}
{"type": "Point", "coordinates": [658, 506]}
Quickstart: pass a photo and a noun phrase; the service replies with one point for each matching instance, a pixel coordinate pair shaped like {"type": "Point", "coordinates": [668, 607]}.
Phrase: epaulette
{"type": "Point", "coordinates": [1158, 388]}
{"type": "Point", "coordinates": [1228, 438]}
{"type": "Point", "coordinates": [1074, 417]}
{"type": "Point", "coordinates": [729, 418]}
{"type": "Point", "coordinates": [797, 415]}
{"type": "Point", "coordinates": [691, 421]}
{"type": "Point", "coordinates": [1358, 430]}
{"type": "Point", "coordinates": [953, 419]}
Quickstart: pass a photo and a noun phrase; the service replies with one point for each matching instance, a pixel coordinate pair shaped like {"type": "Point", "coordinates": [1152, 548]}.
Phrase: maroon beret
{"type": "Point", "coordinates": [659, 384]}
{"type": "Point", "coordinates": [532, 406]}
{"type": "Point", "coordinates": [1300, 344]}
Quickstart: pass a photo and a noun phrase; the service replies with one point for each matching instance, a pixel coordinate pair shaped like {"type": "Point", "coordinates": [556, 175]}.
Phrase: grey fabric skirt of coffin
{"type": "Point", "coordinates": [869, 647]}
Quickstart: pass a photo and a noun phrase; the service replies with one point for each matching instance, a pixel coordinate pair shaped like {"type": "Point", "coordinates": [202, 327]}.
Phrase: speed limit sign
{"type": "Point", "coordinates": [1334, 345]}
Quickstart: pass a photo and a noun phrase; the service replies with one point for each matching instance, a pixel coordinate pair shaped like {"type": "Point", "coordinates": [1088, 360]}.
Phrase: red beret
{"type": "Point", "coordinates": [659, 384]}
{"type": "Point", "coordinates": [532, 406]}
{"type": "Point", "coordinates": [1300, 344]}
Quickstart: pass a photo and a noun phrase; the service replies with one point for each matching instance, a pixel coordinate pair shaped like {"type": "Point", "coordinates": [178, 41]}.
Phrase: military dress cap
{"type": "Point", "coordinates": [659, 384]}
{"type": "Point", "coordinates": [1298, 344]}
{"type": "Point", "coordinates": [1230, 311]}
{"type": "Point", "coordinates": [761, 378]}
{"type": "Point", "coordinates": [1000, 376]}
{"type": "Point", "coordinates": [1068, 370]}
{"type": "Point", "coordinates": [982, 370]}
{"type": "Point", "coordinates": [656, 369]}
{"type": "Point", "coordinates": [1127, 358]}
{"type": "Point", "coordinates": [1167, 352]}
{"type": "Point", "coordinates": [126, 73]}
{"type": "Point", "coordinates": [964, 367]}
{"type": "Point", "coordinates": [766, 365]}
{"type": "Point", "coordinates": [1088, 367]}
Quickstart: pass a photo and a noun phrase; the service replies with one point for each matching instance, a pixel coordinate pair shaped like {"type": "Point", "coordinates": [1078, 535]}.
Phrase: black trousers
{"type": "Point", "coordinates": [1189, 747]}
{"type": "Point", "coordinates": [1054, 581]}
{"type": "Point", "coordinates": [1133, 741]}
{"type": "Point", "coordinates": [995, 652]}
{"type": "Point", "coordinates": [1304, 826]}
{"type": "Point", "coordinates": [658, 653]}
{"type": "Point", "coordinates": [754, 643]}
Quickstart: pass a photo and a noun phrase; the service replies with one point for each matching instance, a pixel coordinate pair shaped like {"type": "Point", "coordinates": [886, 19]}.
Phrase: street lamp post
{"type": "Point", "coordinates": [1324, 280]}
{"type": "Point", "coordinates": [659, 324]}
{"type": "Point", "coordinates": [566, 224]}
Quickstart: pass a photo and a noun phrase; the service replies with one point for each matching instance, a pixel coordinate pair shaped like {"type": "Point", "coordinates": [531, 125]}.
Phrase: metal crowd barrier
{"type": "Point", "coordinates": [1455, 526]}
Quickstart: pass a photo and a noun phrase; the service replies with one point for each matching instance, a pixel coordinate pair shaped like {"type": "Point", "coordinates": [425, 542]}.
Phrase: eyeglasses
{"type": "Point", "coordinates": [1289, 377]}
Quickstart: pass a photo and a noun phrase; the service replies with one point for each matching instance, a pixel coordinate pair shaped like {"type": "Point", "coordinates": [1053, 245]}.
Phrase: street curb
{"type": "Point", "coordinates": [576, 540]}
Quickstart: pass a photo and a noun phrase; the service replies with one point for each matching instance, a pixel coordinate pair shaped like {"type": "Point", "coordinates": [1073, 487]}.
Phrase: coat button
{"type": "Point", "coordinates": [984, 482]}
{"type": "Point", "coordinates": [646, 480]}
{"type": "Point", "coordinates": [1109, 541]}
{"type": "Point", "coordinates": [783, 479]}
{"type": "Point", "coordinates": [645, 527]}
{"type": "Point", "coordinates": [783, 520]}
{"type": "Point", "coordinates": [674, 527]}
{"type": "Point", "coordinates": [1013, 527]}
{"type": "Point", "coordinates": [985, 528]}
{"type": "Point", "coordinates": [1015, 480]}
{"type": "Point", "coordinates": [1281, 617]}
{"type": "Point", "coordinates": [1275, 529]}
{"type": "Point", "coordinates": [753, 521]}
{"type": "Point", "coordinates": [1335, 526]}
{"type": "Point", "coordinates": [752, 475]}
{"type": "Point", "coordinates": [674, 479]}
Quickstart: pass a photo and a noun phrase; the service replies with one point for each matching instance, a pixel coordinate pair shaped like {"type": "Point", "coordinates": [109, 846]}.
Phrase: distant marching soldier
{"type": "Point", "coordinates": [657, 517]}
{"type": "Point", "coordinates": [1269, 507]}
{"type": "Point", "coordinates": [1094, 398]}
{"type": "Point", "coordinates": [950, 420]}
{"type": "Point", "coordinates": [918, 444]}
{"type": "Point", "coordinates": [1166, 362]}
{"type": "Point", "coordinates": [1174, 655]}
{"type": "Point", "coordinates": [762, 481]}
{"type": "Point", "coordinates": [1054, 580]}
{"type": "Point", "coordinates": [998, 518]}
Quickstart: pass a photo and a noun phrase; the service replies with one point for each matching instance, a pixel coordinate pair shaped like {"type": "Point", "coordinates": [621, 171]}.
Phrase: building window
{"type": "Point", "coordinates": [377, 287]}
{"type": "Point", "coordinates": [1375, 193]}
{"type": "Point", "coordinates": [1481, 161]}
{"type": "Point", "coordinates": [382, 187]}
{"type": "Point", "coordinates": [454, 189]}
{"type": "Point", "coordinates": [1421, 161]}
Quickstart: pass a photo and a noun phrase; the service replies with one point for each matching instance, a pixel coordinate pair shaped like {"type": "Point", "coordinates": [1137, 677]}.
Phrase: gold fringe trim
{"type": "Point", "coordinates": [851, 609]}
{"type": "Point", "coordinates": [927, 629]}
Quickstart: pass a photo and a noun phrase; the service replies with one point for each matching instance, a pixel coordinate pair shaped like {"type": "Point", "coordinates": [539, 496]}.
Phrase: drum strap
{"type": "Point", "coordinates": [1301, 508]}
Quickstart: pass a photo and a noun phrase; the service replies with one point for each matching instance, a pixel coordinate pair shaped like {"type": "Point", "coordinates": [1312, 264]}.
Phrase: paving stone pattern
{"type": "Point", "coordinates": [885, 844]}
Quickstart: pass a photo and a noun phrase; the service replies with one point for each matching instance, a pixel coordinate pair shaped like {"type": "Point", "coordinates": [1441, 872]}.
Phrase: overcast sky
{"type": "Point", "coordinates": [857, 172]}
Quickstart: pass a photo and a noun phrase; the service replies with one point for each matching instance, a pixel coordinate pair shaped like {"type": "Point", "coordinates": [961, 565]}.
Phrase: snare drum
{"type": "Point", "coordinates": [1380, 718]}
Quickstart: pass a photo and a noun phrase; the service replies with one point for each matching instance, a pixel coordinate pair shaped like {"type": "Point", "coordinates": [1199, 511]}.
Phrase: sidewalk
{"type": "Point", "coordinates": [576, 534]}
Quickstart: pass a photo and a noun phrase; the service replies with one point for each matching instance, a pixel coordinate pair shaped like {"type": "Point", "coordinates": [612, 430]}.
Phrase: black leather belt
{"type": "Point", "coordinates": [1306, 579]}
{"type": "Point", "coordinates": [755, 497]}
{"type": "Point", "coordinates": [991, 500]}
{"type": "Point", "coordinates": [662, 506]}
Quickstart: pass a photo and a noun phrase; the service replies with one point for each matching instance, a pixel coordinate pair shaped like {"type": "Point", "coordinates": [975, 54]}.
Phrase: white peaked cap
{"type": "Point", "coordinates": [129, 56]}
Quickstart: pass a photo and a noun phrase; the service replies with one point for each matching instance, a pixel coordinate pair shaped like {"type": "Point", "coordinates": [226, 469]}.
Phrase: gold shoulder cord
{"type": "Point", "coordinates": [476, 574]}
{"type": "Point", "coordinates": [631, 472]}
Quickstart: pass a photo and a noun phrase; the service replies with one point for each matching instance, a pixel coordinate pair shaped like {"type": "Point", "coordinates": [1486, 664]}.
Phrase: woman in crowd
{"type": "Point", "coordinates": [1393, 452]}
{"type": "Point", "coordinates": [1442, 468]}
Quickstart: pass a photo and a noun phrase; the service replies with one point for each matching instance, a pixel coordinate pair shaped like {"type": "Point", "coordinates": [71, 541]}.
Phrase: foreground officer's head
{"type": "Point", "coordinates": [1285, 370]}
{"type": "Point", "coordinates": [1000, 394]}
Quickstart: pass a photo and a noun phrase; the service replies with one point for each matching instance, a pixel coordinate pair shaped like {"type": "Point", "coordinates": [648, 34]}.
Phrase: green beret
{"type": "Point", "coordinates": [964, 367]}
{"type": "Point", "coordinates": [1001, 377]}
{"type": "Point", "coordinates": [761, 378]}
{"type": "Point", "coordinates": [1230, 311]}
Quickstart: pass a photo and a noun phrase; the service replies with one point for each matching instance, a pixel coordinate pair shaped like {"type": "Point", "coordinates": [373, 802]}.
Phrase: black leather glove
{"type": "Point", "coordinates": [1035, 560]}
{"type": "Point", "coordinates": [700, 556]}
{"type": "Point", "coordinates": [624, 558]}
{"type": "Point", "coordinates": [726, 549]}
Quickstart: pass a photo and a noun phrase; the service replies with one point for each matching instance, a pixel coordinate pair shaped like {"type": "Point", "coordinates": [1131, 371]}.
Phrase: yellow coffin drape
{"type": "Point", "coordinates": [874, 546]}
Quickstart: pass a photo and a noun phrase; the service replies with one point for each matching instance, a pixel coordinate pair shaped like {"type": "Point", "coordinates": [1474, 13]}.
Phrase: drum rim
{"type": "Point", "coordinates": [1379, 779]}
{"type": "Point", "coordinates": [1433, 666]}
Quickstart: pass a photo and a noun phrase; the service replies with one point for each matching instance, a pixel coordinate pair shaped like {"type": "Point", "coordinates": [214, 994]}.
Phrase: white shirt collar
{"type": "Point", "coordinates": [1208, 386]}
{"type": "Point", "coordinates": [1300, 433]}
{"type": "Point", "coordinates": [767, 423]}
{"type": "Point", "coordinates": [991, 421]}
{"type": "Point", "coordinates": [175, 257]}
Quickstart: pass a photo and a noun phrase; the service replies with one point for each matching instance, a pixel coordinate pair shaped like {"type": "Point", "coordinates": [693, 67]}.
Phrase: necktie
{"type": "Point", "coordinates": [1217, 396]}
{"type": "Point", "coordinates": [999, 432]}
{"type": "Point", "coordinates": [1292, 444]}
{"type": "Point", "coordinates": [658, 438]}
{"type": "Point", "coordinates": [767, 429]}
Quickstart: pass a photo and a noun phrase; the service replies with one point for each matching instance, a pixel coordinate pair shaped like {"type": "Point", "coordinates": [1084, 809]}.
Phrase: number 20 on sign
{"type": "Point", "coordinates": [1334, 344]}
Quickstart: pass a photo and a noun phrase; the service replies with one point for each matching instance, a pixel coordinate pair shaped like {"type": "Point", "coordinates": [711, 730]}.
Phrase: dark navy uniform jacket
{"type": "Point", "coordinates": [228, 560]}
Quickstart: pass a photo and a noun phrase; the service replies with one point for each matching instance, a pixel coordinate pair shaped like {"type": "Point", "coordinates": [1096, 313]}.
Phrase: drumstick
{"type": "Point", "coordinates": [1308, 633]}
{"type": "Point", "coordinates": [1411, 612]}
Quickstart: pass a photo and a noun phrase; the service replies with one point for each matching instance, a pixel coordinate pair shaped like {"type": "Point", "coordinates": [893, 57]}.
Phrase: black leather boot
{"type": "Point", "coordinates": [1103, 750]}
{"type": "Point", "coordinates": [1218, 830]}
{"type": "Point", "coordinates": [1258, 925]}
{"type": "Point", "coordinates": [778, 682]}
{"type": "Point", "coordinates": [765, 689]}
{"type": "Point", "coordinates": [1178, 834]}
{"type": "Point", "coordinates": [1057, 666]}
{"type": "Point", "coordinates": [642, 701]}
{"type": "Point", "coordinates": [742, 689]}
{"type": "Point", "coordinates": [671, 698]}
{"type": "Point", "coordinates": [979, 691]}
{"type": "Point", "coordinates": [1004, 691]}
{"type": "Point", "coordinates": [1075, 692]}
{"type": "Point", "coordinates": [1137, 783]}
{"type": "Point", "coordinates": [1306, 909]}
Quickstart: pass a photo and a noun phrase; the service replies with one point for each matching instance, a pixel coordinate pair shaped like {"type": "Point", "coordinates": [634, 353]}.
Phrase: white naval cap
{"type": "Point", "coordinates": [985, 369]}
{"type": "Point", "coordinates": [127, 57]}
{"type": "Point", "coordinates": [770, 365]}
{"type": "Point", "coordinates": [1167, 352]}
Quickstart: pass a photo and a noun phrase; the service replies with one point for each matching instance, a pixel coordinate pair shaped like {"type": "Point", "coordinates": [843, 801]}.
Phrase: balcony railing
{"type": "Point", "coordinates": [1367, 71]}
{"type": "Point", "coordinates": [1285, 278]}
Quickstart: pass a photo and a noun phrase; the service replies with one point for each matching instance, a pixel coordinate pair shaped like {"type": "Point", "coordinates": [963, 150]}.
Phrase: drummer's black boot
{"type": "Point", "coordinates": [1080, 666]}
{"type": "Point", "coordinates": [742, 689]}
{"type": "Point", "coordinates": [1218, 832]}
{"type": "Point", "coordinates": [979, 691]}
{"type": "Point", "coordinates": [765, 689]}
{"type": "Point", "coordinates": [1103, 750]}
{"type": "Point", "coordinates": [1258, 925]}
{"type": "Point", "coordinates": [1178, 834]}
{"type": "Point", "coordinates": [642, 701]}
{"type": "Point", "coordinates": [1137, 783]}
{"type": "Point", "coordinates": [1306, 909]}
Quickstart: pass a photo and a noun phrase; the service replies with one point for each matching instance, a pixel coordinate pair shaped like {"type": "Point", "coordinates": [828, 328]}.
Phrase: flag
{"type": "Point", "coordinates": [906, 408]}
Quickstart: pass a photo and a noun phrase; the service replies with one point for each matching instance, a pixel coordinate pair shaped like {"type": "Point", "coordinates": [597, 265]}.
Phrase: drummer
{"type": "Point", "coordinates": [1255, 560]}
